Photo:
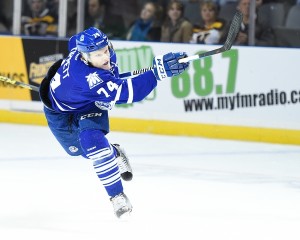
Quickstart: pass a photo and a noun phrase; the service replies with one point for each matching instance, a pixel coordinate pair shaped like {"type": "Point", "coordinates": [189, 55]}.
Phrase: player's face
{"type": "Point", "coordinates": [100, 58]}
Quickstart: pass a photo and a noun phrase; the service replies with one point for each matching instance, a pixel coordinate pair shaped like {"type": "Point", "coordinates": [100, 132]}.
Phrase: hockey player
{"type": "Point", "coordinates": [77, 93]}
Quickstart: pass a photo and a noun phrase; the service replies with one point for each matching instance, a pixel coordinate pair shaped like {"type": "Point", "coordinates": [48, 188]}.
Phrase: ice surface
{"type": "Point", "coordinates": [183, 188]}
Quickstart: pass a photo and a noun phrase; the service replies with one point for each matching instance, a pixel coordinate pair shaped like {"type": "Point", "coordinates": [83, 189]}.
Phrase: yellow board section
{"type": "Point", "coordinates": [281, 136]}
{"type": "Point", "coordinates": [22, 117]}
{"type": "Point", "coordinates": [13, 65]}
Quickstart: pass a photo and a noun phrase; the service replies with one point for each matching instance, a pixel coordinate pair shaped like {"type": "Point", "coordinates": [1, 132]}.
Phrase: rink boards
{"type": "Point", "coordinates": [247, 93]}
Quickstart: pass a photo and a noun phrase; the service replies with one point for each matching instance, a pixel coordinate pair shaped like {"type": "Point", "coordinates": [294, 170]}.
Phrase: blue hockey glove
{"type": "Point", "coordinates": [167, 65]}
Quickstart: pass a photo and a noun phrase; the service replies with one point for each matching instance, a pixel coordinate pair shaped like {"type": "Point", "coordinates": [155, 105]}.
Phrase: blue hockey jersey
{"type": "Point", "coordinates": [77, 86]}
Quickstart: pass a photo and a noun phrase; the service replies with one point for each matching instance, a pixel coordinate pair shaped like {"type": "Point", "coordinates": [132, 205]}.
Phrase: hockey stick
{"type": "Point", "coordinates": [18, 83]}
{"type": "Point", "coordinates": [232, 33]}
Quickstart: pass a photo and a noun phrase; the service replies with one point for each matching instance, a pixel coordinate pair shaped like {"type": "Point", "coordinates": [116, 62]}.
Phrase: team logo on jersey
{"type": "Point", "coordinates": [93, 79]}
{"type": "Point", "coordinates": [104, 105]}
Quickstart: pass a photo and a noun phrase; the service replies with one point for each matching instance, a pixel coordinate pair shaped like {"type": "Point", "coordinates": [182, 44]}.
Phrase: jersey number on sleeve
{"type": "Point", "coordinates": [110, 86]}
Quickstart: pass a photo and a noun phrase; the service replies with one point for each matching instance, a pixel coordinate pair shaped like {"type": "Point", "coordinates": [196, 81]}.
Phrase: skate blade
{"type": "Point", "coordinates": [125, 216]}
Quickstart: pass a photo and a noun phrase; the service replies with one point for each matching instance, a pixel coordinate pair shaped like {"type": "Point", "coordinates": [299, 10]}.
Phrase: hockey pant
{"type": "Point", "coordinates": [84, 134]}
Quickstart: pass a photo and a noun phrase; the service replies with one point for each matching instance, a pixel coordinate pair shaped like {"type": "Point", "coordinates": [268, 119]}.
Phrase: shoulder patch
{"type": "Point", "coordinates": [93, 80]}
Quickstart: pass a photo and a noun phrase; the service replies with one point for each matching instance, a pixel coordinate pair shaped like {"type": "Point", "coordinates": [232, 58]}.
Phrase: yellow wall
{"type": "Point", "coordinates": [13, 65]}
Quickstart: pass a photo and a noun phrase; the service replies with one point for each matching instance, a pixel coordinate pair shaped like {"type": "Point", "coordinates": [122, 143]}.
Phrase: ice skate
{"type": "Point", "coordinates": [121, 204]}
{"type": "Point", "coordinates": [123, 163]}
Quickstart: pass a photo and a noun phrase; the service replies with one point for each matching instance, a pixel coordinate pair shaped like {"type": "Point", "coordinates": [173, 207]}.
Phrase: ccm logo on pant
{"type": "Point", "coordinates": [90, 115]}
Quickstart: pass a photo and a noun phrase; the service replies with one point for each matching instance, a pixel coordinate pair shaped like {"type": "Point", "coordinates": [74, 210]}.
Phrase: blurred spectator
{"type": "Point", "coordinates": [38, 20]}
{"type": "Point", "coordinates": [98, 16]}
{"type": "Point", "coordinates": [162, 3]}
{"type": "Point", "coordinates": [176, 28]}
{"type": "Point", "coordinates": [263, 36]}
{"type": "Point", "coordinates": [211, 30]}
{"type": "Point", "coordinates": [147, 26]}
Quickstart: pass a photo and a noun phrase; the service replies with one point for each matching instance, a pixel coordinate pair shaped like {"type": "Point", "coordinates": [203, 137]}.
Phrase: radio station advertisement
{"type": "Point", "coordinates": [246, 86]}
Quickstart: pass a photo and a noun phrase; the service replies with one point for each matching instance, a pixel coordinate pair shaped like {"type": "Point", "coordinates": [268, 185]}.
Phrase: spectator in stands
{"type": "Point", "coordinates": [263, 36]}
{"type": "Point", "coordinates": [39, 20]}
{"type": "Point", "coordinates": [147, 26]}
{"type": "Point", "coordinates": [210, 31]}
{"type": "Point", "coordinates": [176, 28]}
{"type": "Point", "coordinates": [98, 16]}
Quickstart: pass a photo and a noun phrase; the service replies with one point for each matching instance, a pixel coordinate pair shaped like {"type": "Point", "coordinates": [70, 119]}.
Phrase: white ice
{"type": "Point", "coordinates": [183, 188]}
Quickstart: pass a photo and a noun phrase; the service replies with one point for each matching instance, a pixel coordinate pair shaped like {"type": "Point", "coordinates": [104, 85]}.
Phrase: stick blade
{"type": "Point", "coordinates": [20, 84]}
{"type": "Point", "coordinates": [233, 30]}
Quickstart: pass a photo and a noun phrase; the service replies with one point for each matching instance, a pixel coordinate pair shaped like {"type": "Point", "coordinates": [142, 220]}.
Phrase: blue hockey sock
{"type": "Point", "coordinates": [97, 148]}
